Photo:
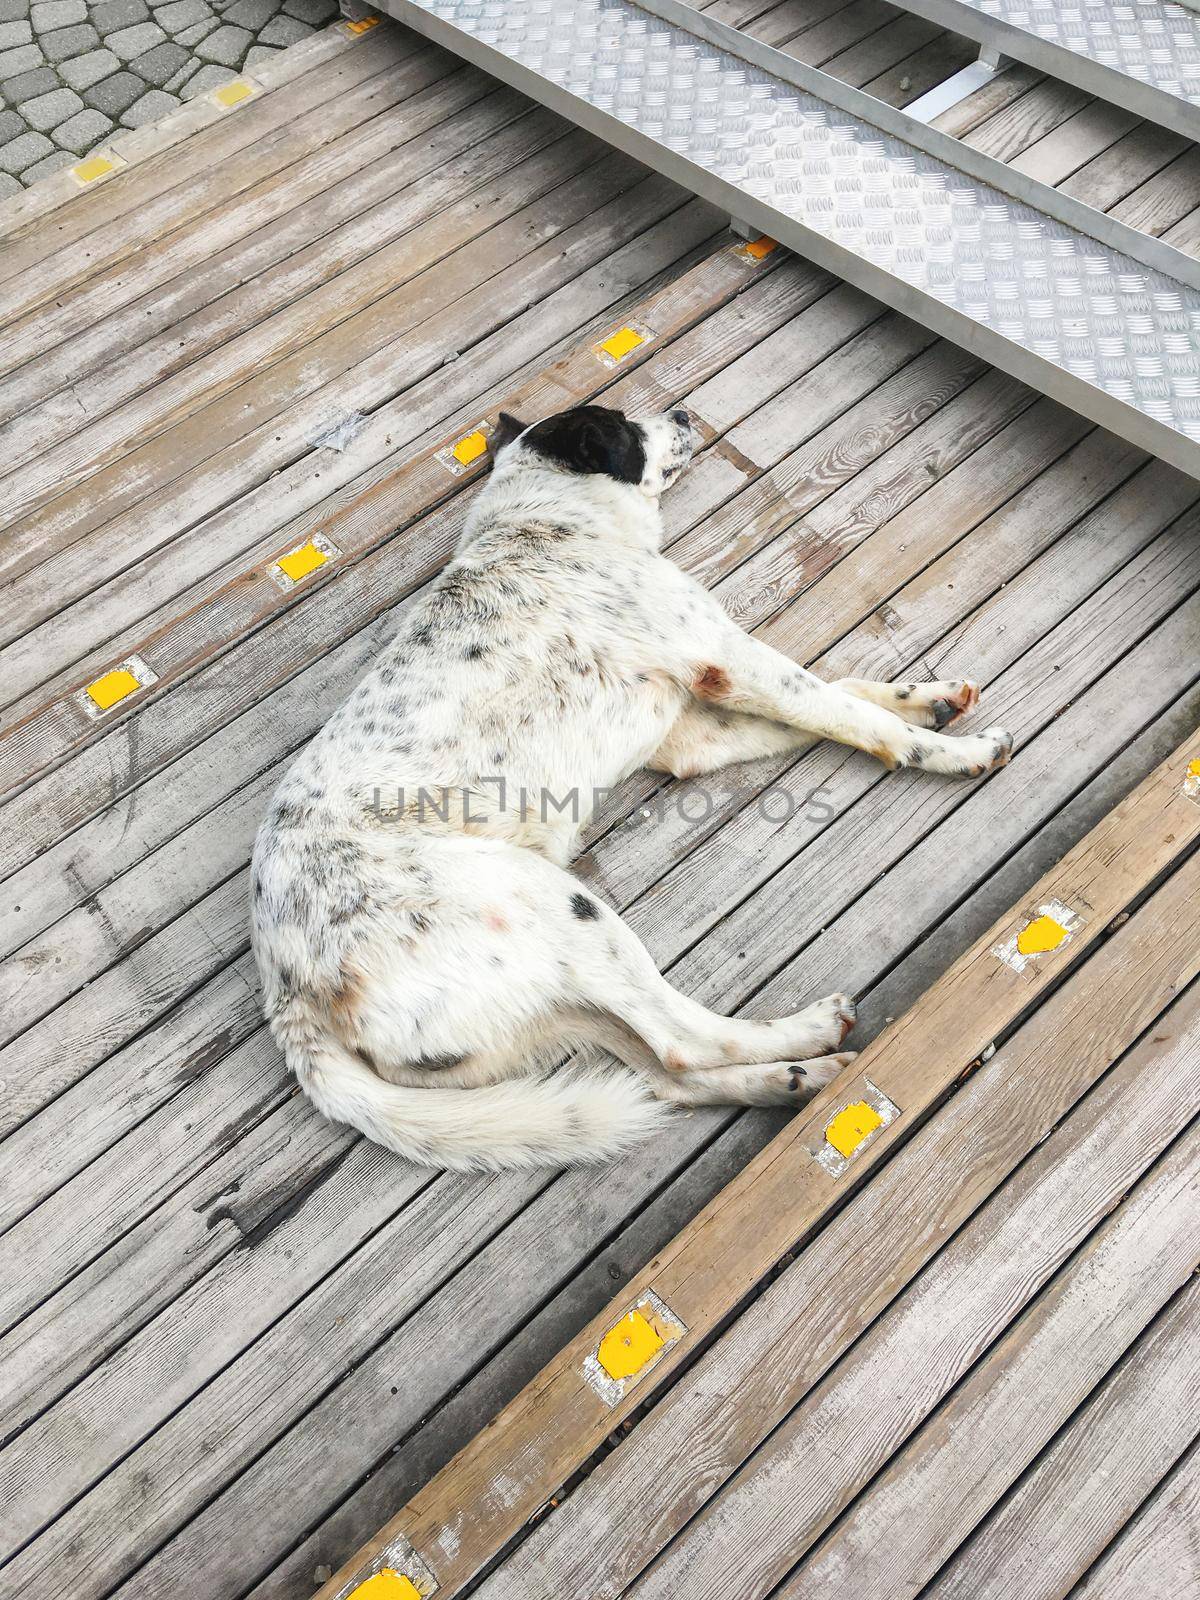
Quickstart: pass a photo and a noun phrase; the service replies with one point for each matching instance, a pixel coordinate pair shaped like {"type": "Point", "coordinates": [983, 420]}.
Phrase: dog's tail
{"type": "Point", "coordinates": [522, 1122]}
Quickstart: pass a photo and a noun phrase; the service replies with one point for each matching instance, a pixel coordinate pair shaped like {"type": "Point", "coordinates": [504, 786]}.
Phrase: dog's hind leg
{"type": "Point", "coordinates": [614, 977]}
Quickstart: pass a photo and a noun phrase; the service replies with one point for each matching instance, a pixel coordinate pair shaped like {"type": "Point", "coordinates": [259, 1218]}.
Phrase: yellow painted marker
{"type": "Point", "coordinates": [851, 1126]}
{"type": "Point", "coordinates": [471, 448]}
{"type": "Point", "coordinates": [361, 24]}
{"type": "Point", "coordinates": [386, 1584]}
{"type": "Point", "coordinates": [625, 1349]}
{"type": "Point", "coordinates": [232, 94]}
{"type": "Point", "coordinates": [1194, 769]}
{"type": "Point", "coordinates": [113, 686]}
{"type": "Point", "coordinates": [299, 563]}
{"type": "Point", "coordinates": [1040, 936]}
{"type": "Point", "coordinates": [619, 344]}
{"type": "Point", "coordinates": [96, 166]}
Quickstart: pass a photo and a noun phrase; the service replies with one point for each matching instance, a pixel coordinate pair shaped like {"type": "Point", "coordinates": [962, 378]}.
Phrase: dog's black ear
{"type": "Point", "coordinates": [506, 430]}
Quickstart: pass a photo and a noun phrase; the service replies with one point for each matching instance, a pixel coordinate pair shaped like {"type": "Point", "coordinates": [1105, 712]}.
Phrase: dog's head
{"type": "Point", "coordinates": [648, 454]}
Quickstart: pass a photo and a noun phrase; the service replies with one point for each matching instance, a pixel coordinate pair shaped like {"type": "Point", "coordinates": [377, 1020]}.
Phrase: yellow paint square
{"type": "Point", "coordinates": [386, 1584]}
{"type": "Point", "coordinates": [470, 449]}
{"type": "Point", "coordinates": [232, 94]}
{"type": "Point", "coordinates": [621, 343]}
{"type": "Point", "coordinates": [91, 169]}
{"type": "Point", "coordinates": [851, 1126]}
{"type": "Point", "coordinates": [1194, 769]}
{"type": "Point", "coordinates": [625, 1349]}
{"type": "Point", "coordinates": [360, 25]}
{"type": "Point", "coordinates": [1039, 936]}
{"type": "Point", "coordinates": [299, 563]}
{"type": "Point", "coordinates": [113, 686]}
{"type": "Point", "coordinates": [761, 247]}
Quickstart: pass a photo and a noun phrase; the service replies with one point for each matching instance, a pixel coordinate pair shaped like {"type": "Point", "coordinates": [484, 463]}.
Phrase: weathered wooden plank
{"type": "Point", "coordinates": [1109, 177]}
{"type": "Point", "coordinates": [90, 1116]}
{"type": "Point", "coordinates": [311, 139]}
{"type": "Point", "coordinates": [149, 198]}
{"type": "Point", "coordinates": [856, 1420]}
{"type": "Point", "coordinates": [1159, 203]}
{"type": "Point", "coordinates": [818, 45]}
{"type": "Point", "coordinates": [1079, 140]}
{"type": "Point", "coordinates": [580, 292]}
{"type": "Point", "coordinates": [702, 1431]}
{"type": "Point", "coordinates": [944, 55]}
{"type": "Point", "coordinates": [1156, 1558]}
{"type": "Point", "coordinates": [557, 1421]}
{"type": "Point", "coordinates": [1021, 123]}
{"type": "Point", "coordinates": [339, 323]}
{"type": "Point", "coordinates": [1004, 89]}
{"type": "Point", "coordinates": [84, 862]}
{"type": "Point", "coordinates": [1109, 1458]}
{"type": "Point", "coordinates": [285, 237]}
{"type": "Point", "coordinates": [222, 603]}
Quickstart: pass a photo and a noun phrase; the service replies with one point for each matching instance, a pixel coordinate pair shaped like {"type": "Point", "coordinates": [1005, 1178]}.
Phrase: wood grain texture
{"type": "Point", "coordinates": [1058, 1520]}
{"type": "Point", "coordinates": [836, 1442]}
{"type": "Point", "coordinates": [511, 1469]}
{"type": "Point", "coordinates": [716, 1415]}
{"type": "Point", "coordinates": [1158, 1555]}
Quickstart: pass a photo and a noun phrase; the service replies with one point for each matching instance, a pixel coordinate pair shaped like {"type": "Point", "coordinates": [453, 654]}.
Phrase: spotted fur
{"type": "Point", "coordinates": [425, 955]}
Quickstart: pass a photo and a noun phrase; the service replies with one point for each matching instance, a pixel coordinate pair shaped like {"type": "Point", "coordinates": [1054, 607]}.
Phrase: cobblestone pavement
{"type": "Point", "coordinates": [70, 72]}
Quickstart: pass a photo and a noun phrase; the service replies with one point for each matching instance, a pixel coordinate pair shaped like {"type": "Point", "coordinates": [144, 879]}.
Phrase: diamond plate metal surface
{"type": "Point", "coordinates": [1155, 43]}
{"type": "Point", "coordinates": [1107, 319]}
{"type": "Point", "coordinates": [1141, 54]}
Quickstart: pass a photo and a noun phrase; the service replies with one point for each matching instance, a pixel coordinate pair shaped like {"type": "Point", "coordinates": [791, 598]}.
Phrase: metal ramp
{"type": "Point", "coordinates": [1140, 54]}
{"type": "Point", "coordinates": [1083, 308]}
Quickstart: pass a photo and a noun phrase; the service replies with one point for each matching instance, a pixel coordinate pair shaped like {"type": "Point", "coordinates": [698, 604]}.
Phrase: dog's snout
{"type": "Point", "coordinates": [681, 417]}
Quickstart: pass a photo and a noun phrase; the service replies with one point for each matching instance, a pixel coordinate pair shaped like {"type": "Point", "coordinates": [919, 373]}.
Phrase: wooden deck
{"type": "Point", "coordinates": [237, 1339]}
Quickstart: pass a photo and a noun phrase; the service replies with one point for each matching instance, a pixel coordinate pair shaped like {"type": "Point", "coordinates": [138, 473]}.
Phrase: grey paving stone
{"type": "Point", "coordinates": [83, 131]}
{"type": "Point", "coordinates": [258, 53]}
{"type": "Point", "coordinates": [210, 77]}
{"type": "Point", "coordinates": [22, 59]}
{"type": "Point", "coordinates": [198, 30]}
{"type": "Point", "coordinates": [9, 186]}
{"type": "Point", "coordinates": [64, 43]}
{"type": "Point", "coordinates": [50, 14]}
{"type": "Point", "coordinates": [128, 43]}
{"type": "Point", "coordinates": [26, 84]}
{"type": "Point", "coordinates": [159, 64]}
{"type": "Point", "coordinates": [226, 47]}
{"type": "Point", "coordinates": [252, 14]}
{"type": "Point", "coordinates": [14, 33]}
{"type": "Point", "coordinates": [20, 153]}
{"type": "Point", "coordinates": [14, 10]}
{"type": "Point", "coordinates": [48, 110]}
{"type": "Point", "coordinates": [84, 71]}
{"type": "Point", "coordinates": [115, 94]}
{"type": "Point", "coordinates": [54, 162]}
{"type": "Point", "coordinates": [152, 107]}
{"type": "Point", "coordinates": [315, 12]}
{"type": "Point", "coordinates": [285, 31]}
{"type": "Point", "coordinates": [109, 15]}
{"type": "Point", "coordinates": [175, 83]}
{"type": "Point", "coordinates": [10, 126]}
{"type": "Point", "coordinates": [181, 14]}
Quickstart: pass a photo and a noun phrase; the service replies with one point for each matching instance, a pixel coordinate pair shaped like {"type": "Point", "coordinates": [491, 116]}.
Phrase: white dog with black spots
{"type": "Point", "coordinates": [426, 956]}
